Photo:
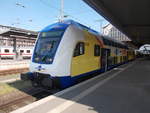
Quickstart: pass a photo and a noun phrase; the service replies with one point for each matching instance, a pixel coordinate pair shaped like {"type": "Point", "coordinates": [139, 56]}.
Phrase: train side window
{"type": "Point", "coordinates": [96, 50]}
{"type": "Point", "coordinates": [21, 51]}
{"type": "Point", "coordinates": [6, 50]}
{"type": "Point", "coordinates": [79, 50]}
{"type": "Point", "coordinates": [28, 51]}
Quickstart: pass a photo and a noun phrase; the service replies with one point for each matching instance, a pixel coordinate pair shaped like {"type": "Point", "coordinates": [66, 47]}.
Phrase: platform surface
{"type": "Point", "coordinates": [125, 89]}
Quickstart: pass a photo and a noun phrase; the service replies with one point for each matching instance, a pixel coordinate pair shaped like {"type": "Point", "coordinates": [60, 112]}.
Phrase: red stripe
{"type": "Point", "coordinates": [7, 54]}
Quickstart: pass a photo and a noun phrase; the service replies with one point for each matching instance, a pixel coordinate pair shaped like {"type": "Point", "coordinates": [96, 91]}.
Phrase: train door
{"type": "Point", "coordinates": [105, 54]}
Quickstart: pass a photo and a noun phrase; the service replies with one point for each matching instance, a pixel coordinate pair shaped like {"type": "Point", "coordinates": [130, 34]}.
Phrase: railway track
{"type": "Point", "coordinates": [13, 71]}
{"type": "Point", "coordinates": [24, 99]}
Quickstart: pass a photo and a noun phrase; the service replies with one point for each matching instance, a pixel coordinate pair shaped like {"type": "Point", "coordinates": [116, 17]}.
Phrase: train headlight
{"type": "Point", "coordinates": [37, 59]}
{"type": "Point", "coordinates": [49, 59]}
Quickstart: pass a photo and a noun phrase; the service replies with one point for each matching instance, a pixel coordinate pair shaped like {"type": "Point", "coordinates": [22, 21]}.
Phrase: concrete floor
{"type": "Point", "coordinates": [128, 92]}
{"type": "Point", "coordinates": [123, 90]}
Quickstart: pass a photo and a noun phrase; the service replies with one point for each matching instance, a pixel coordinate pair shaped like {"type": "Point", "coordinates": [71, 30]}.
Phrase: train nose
{"type": "Point", "coordinates": [43, 80]}
{"type": "Point", "coordinates": [38, 79]}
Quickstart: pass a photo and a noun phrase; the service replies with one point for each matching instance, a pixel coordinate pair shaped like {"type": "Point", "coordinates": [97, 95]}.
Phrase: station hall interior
{"type": "Point", "coordinates": [122, 85]}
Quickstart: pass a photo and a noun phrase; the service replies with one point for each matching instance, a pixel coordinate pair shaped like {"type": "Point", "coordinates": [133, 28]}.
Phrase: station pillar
{"type": "Point", "coordinates": [15, 49]}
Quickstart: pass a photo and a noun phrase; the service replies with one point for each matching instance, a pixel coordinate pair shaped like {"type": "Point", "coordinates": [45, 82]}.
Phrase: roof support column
{"type": "Point", "coordinates": [15, 49]}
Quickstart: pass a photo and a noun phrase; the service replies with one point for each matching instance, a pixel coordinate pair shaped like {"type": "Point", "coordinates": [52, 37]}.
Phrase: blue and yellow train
{"type": "Point", "coordinates": [68, 51]}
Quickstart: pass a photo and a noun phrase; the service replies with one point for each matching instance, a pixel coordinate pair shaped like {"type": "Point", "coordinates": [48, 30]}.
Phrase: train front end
{"type": "Point", "coordinates": [48, 57]}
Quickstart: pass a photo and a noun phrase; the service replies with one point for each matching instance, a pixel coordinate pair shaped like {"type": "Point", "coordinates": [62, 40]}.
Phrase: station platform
{"type": "Point", "coordinates": [125, 89]}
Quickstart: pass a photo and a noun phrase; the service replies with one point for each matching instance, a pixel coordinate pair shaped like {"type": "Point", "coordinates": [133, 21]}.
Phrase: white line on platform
{"type": "Point", "coordinates": [68, 103]}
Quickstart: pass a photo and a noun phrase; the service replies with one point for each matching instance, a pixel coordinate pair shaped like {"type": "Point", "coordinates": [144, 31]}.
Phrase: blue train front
{"type": "Point", "coordinates": [67, 51]}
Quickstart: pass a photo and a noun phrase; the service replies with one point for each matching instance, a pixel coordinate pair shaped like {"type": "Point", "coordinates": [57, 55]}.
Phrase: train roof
{"type": "Point", "coordinates": [64, 24]}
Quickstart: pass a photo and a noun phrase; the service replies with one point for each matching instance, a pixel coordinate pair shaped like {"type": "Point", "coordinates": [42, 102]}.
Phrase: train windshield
{"type": "Point", "coordinates": [46, 46]}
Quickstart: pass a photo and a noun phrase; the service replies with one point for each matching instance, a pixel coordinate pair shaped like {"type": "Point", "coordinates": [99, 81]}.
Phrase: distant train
{"type": "Point", "coordinates": [66, 52]}
{"type": "Point", "coordinates": [145, 50]}
{"type": "Point", "coordinates": [7, 52]}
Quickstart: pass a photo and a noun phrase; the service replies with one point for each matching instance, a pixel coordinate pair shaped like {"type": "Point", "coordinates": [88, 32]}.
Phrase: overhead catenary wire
{"type": "Point", "coordinates": [64, 12]}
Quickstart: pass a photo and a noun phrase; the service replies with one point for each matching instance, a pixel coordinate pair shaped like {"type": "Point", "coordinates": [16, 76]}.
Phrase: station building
{"type": "Point", "coordinates": [13, 40]}
{"type": "Point", "coordinates": [22, 37]}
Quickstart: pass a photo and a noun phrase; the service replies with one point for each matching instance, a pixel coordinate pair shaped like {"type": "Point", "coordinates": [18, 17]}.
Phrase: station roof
{"type": "Point", "coordinates": [13, 32]}
{"type": "Point", "coordinates": [132, 17]}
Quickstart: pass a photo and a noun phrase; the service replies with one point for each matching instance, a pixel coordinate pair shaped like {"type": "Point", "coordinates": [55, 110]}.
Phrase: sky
{"type": "Point", "coordinates": [37, 14]}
